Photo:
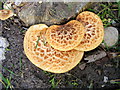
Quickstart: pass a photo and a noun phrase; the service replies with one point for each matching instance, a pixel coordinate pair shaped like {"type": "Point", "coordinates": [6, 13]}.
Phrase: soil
{"type": "Point", "coordinates": [30, 76]}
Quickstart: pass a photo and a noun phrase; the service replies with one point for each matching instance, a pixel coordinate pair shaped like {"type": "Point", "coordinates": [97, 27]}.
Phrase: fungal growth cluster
{"type": "Point", "coordinates": [59, 48]}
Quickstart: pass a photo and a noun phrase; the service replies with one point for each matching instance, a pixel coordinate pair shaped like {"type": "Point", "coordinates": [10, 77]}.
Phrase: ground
{"type": "Point", "coordinates": [21, 73]}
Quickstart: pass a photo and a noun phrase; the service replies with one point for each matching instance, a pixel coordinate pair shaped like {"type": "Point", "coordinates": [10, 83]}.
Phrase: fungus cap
{"type": "Point", "coordinates": [41, 54]}
{"type": "Point", "coordinates": [65, 37]}
{"type": "Point", "coordinates": [94, 31]}
{"type": "Point", "coordinates": [5, 14]}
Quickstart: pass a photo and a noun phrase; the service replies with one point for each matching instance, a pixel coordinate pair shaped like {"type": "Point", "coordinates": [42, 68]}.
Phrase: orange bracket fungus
{"type": "Point", "coordinates": [41, 54]}
{"type": "Point", "coordinates": [94, 31]}
{"type": "Point", "coordinates": [5, 14]}
{"type": "Point", "coordinates": [65, 37]}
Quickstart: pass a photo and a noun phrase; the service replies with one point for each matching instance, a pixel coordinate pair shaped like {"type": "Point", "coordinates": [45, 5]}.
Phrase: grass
{"type": "Point", "coordinates": [118, 8]}
{"type": "Point", "coordinates": [116, 81]}
{"type": "Point", "coordinates": [106, 13]}
{"type": "Point", "coordinates": [11, 72]}
{"type": "Point", "coordinates": [74, 83]}
{"type": "Point", "coordinates": [37, 42]}
{"type": "Point", "coordinates": [44, 41]}
{"type": "Point", "coordinates": [7, 49]}
{"type": "Point", "coordinates": [116, 46]}
{"type": "Point", "coordinates": [6, 82]}
{"type": "Point", "coordinates": [22, 31]}
{"type": "Point", "coordinates": [91, 85]}
{"type": "Point", "coordinates": [106, 45]}
{"type": "Point", "coordinates": [20, 63]}
{"type": "Point", "coordinates": [0, 5]}
{"type": "Point", "coordinates": [54, 82]}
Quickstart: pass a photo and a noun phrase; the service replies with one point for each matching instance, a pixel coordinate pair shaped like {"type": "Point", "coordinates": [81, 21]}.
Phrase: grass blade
{"type": "Point", "coordinates": [37, 42]}
{"type": "Point", "coordinates": [9, 70]}
{"type": "Point", "coordinates": [53, 82]}
{"type": "Point", "coordinates": [118, 8]}
{"type": "Point", "coordinates": [117, 81]}
{"type": "Point", "coordinates": [0, 5]}
{"type": "Point", "coordinates": [3, 78]}
{"type": "Point", "coordinates": [21, 64]}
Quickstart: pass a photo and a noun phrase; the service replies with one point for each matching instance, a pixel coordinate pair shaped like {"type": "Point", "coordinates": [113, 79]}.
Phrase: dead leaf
{"type": "Point", "coordinates": [96, 56]}
{"type": "Point", "coordinates": [102, 61]}
{"type": "Point", "coordinates": [113, 54]}
{"type": "Point", "coordinates": [115, 81]}
{"type": "Point", "coordinates": [99, 72]}
{"type": "Point", "coordinates": [82, 66]}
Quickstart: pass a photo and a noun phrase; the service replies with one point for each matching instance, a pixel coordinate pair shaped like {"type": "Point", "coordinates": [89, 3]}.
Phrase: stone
{"type": "Point", "coordinates": [111, 36]}
{"type": "Point", "coordinates": [2, 54]}
{"type": "Point", "coordinates": [49, 12]}
{"type": "Point", "coordinates": [3, 44]}
{"type": "Point", "coordinates": [105, 79]}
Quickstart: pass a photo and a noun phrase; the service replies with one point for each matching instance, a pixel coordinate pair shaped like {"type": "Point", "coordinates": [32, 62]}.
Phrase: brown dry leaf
{"type": "Point", "coordinates": [113, 54]}
{"type": "Point", "coordinates": [82, 66]}
{"type": "Point", "coordinates": [102, 61]}
{"type": "Point", "coordinates": [96, 56]}
{"type": "Point", "coordinates": [99, 72]}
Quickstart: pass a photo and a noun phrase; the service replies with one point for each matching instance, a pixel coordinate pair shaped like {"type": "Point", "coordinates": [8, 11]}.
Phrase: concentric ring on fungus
{"type": "Point", "coordinates": [41, 54]}
{"type": "Point", "coordinates": [94, 31]}
{"type": "Point", "coordinates": [65, 37]}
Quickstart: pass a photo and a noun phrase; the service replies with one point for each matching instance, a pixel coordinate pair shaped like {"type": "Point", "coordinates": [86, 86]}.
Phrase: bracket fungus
{"type": "Point", "coordinates": [59, 48]}
{"type": "Point", "coordinates": [41, 54]}
{"type": "Point", "coordinates": [5, 14]}
{"type": "Point", "coordinates": [94, 31]}
{"type": "Point", "coordinates": [65, 37]}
